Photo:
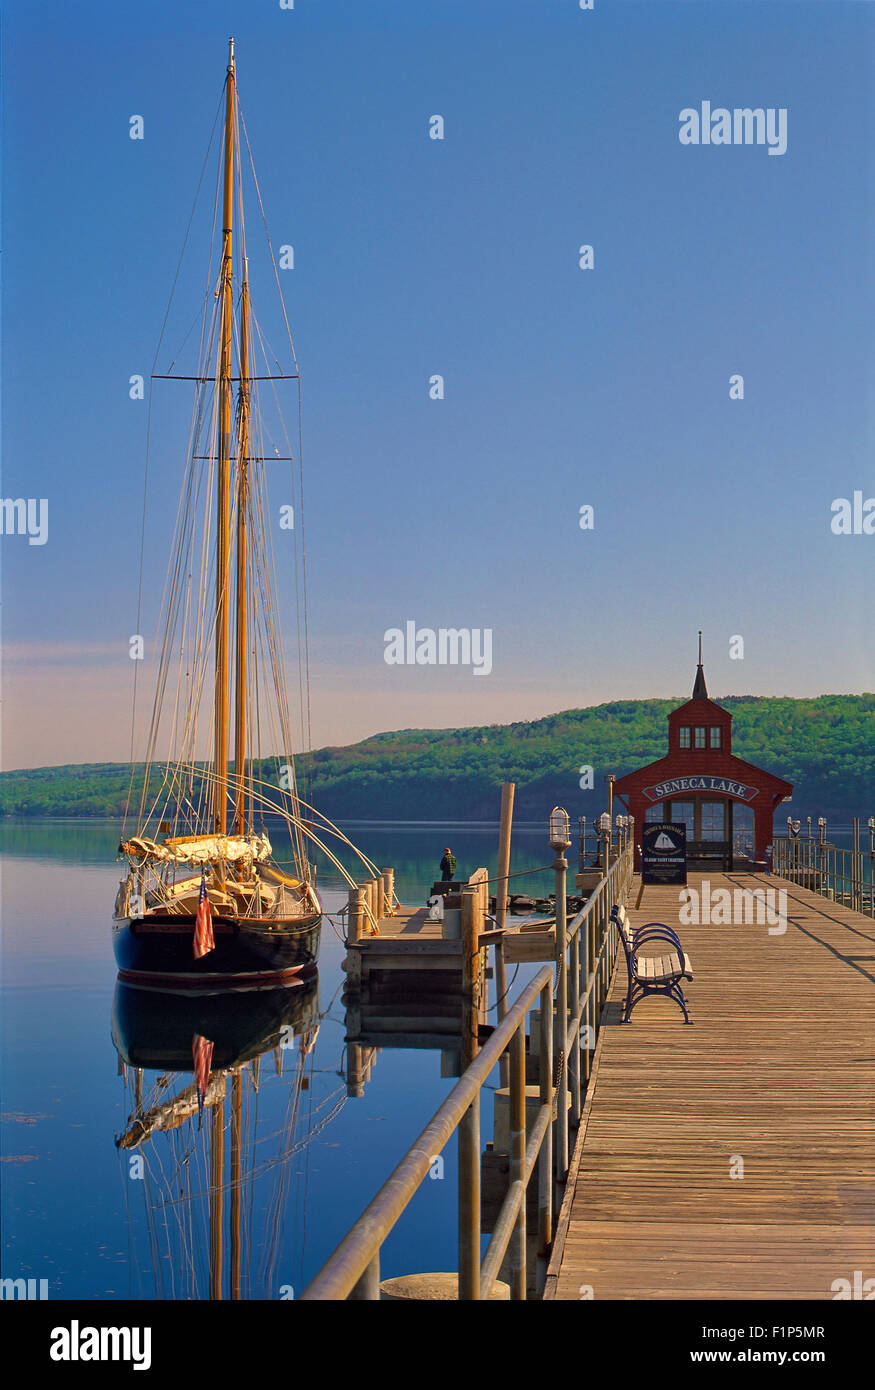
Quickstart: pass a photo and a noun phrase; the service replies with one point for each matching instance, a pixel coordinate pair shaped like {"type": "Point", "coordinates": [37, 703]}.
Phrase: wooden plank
{"type": "Point", "coordinates": [731, 1159]}
{"type": "Point", "coordinates": [522, 947]}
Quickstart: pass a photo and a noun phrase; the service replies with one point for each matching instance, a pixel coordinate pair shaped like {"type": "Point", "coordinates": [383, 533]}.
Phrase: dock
{"type": "Point", "coordinates": [732, 1158]}
{"type": "Point", "coordinates": [724, 1157]}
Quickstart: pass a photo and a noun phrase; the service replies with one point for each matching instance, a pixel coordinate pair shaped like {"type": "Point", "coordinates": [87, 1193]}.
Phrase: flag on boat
{"type": "Point", "coordinates": [202, 1053]}
{"type": "Point", "coordinates": [203, 925]}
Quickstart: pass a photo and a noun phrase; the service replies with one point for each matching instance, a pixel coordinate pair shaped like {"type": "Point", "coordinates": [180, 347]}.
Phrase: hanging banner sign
{"type": "Point", "coordinates": [701, 782]}
{"type": "Point", "coordinates": [664, 852]}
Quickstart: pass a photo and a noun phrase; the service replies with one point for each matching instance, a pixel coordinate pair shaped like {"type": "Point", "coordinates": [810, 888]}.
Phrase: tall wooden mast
{"type": "Point", "coordinates": [236, 1130]}
{"type": "Point", "coordinates": [242, 506]}
{"type": "Point", "coordinates": [224, 465]}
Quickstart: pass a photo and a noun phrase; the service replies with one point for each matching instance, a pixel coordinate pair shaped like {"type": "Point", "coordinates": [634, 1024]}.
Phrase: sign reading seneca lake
{"type": "Point", "coordinates": [700, 782]}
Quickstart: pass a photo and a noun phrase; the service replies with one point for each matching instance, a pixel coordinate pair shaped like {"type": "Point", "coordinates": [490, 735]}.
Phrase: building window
{"type": "Point", "coordinates": [654, 812]}
{"type": "Point", "coordinates": [685, 738]}
{"type": "Point", "coordinates": [700, 738]}
{"type": "Point", "coordinates": [712, 816]}
{"type": "Point", "coordinates": [715, 737]}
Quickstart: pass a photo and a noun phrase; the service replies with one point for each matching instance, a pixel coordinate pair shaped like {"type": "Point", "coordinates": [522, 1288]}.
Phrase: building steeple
{"type": "Point", "coordinates": [700, 690]}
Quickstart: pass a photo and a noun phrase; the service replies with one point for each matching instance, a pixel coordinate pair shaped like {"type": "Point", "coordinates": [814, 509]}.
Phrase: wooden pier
{"type": "Point", "coordinates": [775, 1080]}
{"type": "Point", "coordinates": [397, 954]}
{"type": "Point", "coordinates": [383, 935]}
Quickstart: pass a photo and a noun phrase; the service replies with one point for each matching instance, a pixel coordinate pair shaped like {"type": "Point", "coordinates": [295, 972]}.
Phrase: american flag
{"type": "Point", "coordinates": [202, 1052]}
{"type": "Point", "coordinates": [203, 926]}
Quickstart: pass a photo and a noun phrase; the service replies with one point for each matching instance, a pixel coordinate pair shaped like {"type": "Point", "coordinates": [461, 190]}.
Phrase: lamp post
{"type": "Point", "coordinates": [560, 839]}
{"type": "Point", "coordinates": [611, 779]}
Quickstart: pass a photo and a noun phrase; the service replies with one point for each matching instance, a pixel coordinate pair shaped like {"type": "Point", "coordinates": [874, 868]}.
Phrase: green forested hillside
{"type": "Point", "coordinates": [824, 745]}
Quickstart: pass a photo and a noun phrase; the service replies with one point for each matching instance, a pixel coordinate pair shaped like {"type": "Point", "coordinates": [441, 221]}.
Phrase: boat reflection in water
{"type": "Point", "coordinates": [196, 1095]}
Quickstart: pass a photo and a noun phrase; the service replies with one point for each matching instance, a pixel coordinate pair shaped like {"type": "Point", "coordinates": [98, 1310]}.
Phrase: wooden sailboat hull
{"type": "Point", "coordinates": [154, 1028]}
{"type": "Point", "coordinates": [158, 950]}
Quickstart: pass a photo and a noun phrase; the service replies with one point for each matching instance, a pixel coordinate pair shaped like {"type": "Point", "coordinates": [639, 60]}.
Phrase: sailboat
{"type": "Point", "coordinates": [210, 1208]}
{"type": "Point", "coordinates": [204, 902]}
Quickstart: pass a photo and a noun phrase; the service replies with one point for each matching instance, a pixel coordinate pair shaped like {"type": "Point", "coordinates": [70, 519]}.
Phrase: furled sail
{"type": "Point", "coordinates": [200, 849]}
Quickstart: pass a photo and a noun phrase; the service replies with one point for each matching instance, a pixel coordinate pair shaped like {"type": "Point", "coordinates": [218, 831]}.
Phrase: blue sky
{"type": "Point", "coordinates": [459, 257]}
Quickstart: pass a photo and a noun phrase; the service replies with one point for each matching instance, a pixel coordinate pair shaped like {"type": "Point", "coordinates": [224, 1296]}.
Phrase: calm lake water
{"type": "Point", "coordinates": [103, 1221]}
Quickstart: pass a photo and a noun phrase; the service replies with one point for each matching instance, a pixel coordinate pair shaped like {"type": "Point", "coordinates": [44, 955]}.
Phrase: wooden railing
{"type": "Point", "coordinates": [586, 950]}
{"type": "Point", "coordinates": [843, 875]}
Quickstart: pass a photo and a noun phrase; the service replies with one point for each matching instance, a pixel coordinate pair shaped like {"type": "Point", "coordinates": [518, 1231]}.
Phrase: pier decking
{"type": "Point", "coordinates": [775, 1080]}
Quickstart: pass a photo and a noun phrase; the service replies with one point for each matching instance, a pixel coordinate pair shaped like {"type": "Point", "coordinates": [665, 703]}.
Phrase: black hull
{"type": "Point", "coordinates": [154, 1028]}
{"type": "Point", "coordinates": [159, 951]}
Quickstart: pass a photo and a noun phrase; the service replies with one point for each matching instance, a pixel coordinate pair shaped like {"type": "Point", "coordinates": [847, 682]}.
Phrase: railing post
{"type": "Point", "coordinates": [469, 1203]}
{"type": "Point", "coordinates": [518, 1160]}
{"type": "Point", "coordinates": [368, 1286]}
{"type": "Point", "coordinates": [857, 868]}
{"type": "Point", "coordinates": [545, 1157]}
{"type": "Point", "coordinates": [584, 933]}
{"type": "Point", "coordinates": [560, 865]}
{"type": "Point", "coordinates": [574, 1005]}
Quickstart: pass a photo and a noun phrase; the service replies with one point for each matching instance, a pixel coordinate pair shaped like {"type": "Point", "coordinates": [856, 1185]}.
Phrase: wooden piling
{"type": "Point", "coordinates": [471, 923]}
{"type": "Point", "coordinates": [371, 900]}
{"type": "Point", "coordinates": [356, 914]}
{"type": "Point", "coordinates": [507, 795]}
{"type": "Point", "coordinates": [388, 877]}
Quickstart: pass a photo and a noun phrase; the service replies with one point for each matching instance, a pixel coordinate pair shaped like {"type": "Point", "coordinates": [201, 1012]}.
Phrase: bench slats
{"type": "Point", "coordinates": [663, 967]}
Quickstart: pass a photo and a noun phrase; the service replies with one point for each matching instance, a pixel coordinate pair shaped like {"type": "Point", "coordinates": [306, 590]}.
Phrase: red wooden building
{"type": "Point", "coordinates": [726, 803]}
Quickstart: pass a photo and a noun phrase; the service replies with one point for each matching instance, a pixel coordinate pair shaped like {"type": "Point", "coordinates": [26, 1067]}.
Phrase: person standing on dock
{"type": "Point", "coordinates": [448, 866]}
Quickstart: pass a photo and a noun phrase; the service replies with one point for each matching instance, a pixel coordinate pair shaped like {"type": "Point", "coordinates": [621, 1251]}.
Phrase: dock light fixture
{"type": "Point", "coordinates": [560, 832]}
{"type": "Point", "coordinates": [871, 824]}
{"type": "Point", "coordinates": [821, 822]}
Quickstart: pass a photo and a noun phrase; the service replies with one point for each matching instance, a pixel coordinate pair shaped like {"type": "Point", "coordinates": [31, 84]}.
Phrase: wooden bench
{"type": "Point", "coordinates": [657, 974]}
{"type": "Point", "coordinates": [718, 850]}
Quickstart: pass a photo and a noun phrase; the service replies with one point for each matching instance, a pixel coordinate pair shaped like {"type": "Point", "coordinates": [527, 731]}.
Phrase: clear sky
{"type": "Point", "coordinates": [459, 257]}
